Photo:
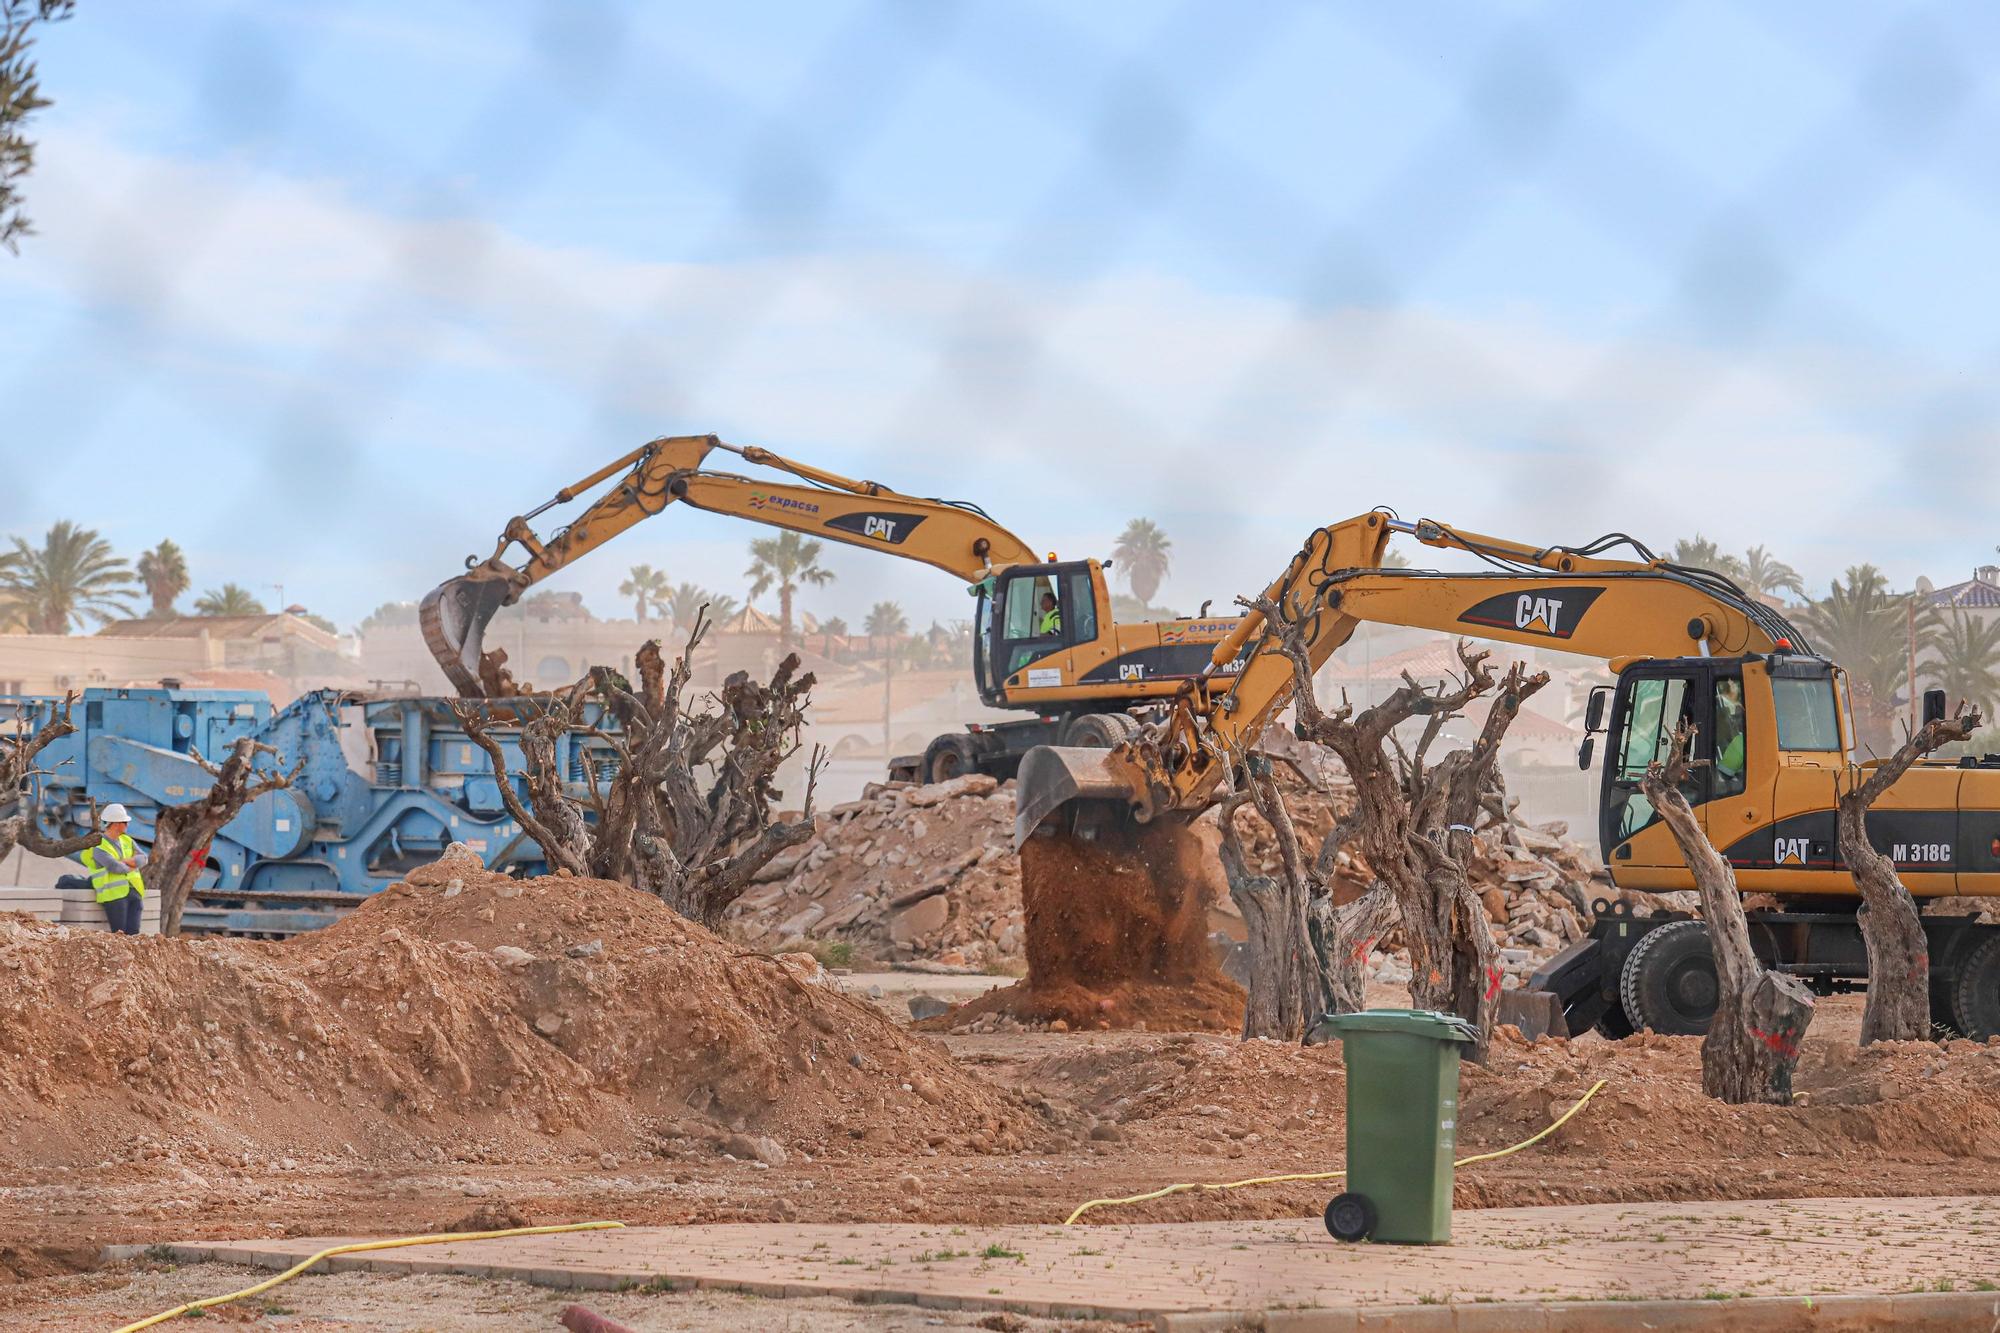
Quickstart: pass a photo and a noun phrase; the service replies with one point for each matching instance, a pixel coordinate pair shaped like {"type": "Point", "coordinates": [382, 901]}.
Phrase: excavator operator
{"type": "Point", "coordinates": [1051, 617]}
{"type": "Point", "coordinates": [1729, 736]}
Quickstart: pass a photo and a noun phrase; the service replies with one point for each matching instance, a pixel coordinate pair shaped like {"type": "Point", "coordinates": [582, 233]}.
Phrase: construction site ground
{"type": "Point", "coordinates": [470, 1052]}
{"type": "Point", "coordinates": [1712, 1252]}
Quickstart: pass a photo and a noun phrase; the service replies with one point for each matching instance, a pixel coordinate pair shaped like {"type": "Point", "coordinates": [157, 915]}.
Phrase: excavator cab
{"type": "Point", "coordinates": [1029, 617]}
{"type": "Point", "coordinates": [1761, 723]}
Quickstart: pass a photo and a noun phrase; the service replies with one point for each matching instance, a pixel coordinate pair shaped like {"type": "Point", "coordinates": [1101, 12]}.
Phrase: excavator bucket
{"type": "Point", "coordinates": [1077, 788]}
{"type": "Point", "coordinates": [454, 616]}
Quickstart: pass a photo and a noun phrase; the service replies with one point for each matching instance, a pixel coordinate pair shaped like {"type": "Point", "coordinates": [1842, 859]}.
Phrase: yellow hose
{"type": "Point", "coordinates": [357, 1248]}
{"type": "Point", "coordinates": [1164, 1191]}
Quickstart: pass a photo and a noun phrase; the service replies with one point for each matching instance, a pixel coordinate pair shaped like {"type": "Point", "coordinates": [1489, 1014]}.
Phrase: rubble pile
{"type": "Point", "coordinates": [927, 875]}
{"type": "Point", "coordinates": [1537, 887]}
{"type": "Point", "coordinates": [907, 872]}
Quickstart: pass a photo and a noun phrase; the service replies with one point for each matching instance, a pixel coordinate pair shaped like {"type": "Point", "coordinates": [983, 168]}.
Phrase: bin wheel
{"type": "Point", "coordinates": [1350, 1217]}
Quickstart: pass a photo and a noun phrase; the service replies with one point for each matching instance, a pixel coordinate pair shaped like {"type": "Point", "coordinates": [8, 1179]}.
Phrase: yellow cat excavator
{"type": "Point", "coordinates": [1773, 723]}
{"type": "Point", "coordinates": [1045, 642]}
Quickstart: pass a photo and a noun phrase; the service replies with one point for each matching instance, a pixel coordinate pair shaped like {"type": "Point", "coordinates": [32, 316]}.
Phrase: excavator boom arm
{"type": "Point", "coordinates": [953, 537]}
{"type": "Point", "coordinates": [1574, 600]}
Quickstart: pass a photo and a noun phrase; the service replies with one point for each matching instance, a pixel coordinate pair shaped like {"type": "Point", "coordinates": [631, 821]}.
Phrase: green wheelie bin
{"type": "Point", "coordinates": [1402, 1122]}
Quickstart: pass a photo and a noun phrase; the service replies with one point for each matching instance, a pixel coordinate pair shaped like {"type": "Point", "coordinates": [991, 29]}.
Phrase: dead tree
{"type": "Point", "coordinates": [1760, 1016]}
{"type": "Point", "coordinates": [1414, 824]}
{"type": "Point", "coordinates": [1899, 965]}
{"type": "Point", "coordinates": [18, 822]}
{"type": "Point", "coordinates": [686, 813]}
{"type": "Point", "coordinates": [181, 832]}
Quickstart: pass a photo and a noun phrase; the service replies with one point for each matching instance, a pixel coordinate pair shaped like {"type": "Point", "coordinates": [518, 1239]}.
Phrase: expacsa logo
{"type": "Point", "coordinates": [1551, 612]}
{"type": "Point", "coordinates": [766, 500]}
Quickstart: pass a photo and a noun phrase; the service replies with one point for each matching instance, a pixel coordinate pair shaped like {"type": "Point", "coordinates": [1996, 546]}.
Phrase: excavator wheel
{"type": "Point", "coordinates": [1976, 996]}
{"type": "Point", "coordinates": [1099, 731]}
{"type": "Point", "coordinates": [1669, 983]}
{"type": "Point", "coordinates": [949, 757]}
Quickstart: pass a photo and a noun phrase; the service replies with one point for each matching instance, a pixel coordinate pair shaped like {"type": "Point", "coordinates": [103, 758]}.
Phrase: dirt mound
{"type": "Point", "coordinates": [1893, 1118]}
{"type": "Point", "coordinates": [1117, 935]}
{"type": "Point", "coordinates": [459, 1011]}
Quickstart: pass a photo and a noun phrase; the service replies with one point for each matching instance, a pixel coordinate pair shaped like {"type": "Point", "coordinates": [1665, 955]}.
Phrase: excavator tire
{"type": "Point", "coordinates": [1976, 996]}
{"type": "Point", "coordinates": [1669, 983]}
{"type": "Point", "coordinates": [1100, 731]}
{"type": "Point", "coordinates": [950, 757]}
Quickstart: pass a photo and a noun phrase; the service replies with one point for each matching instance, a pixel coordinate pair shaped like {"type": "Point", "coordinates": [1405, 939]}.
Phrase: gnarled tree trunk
{"type": "Point", "coordinates": [687, 815]}
{"type": "Point", "coordinates": [1414, 824]}
{"type": "Point", "coordinates": [180, 831]}
{"type": "Point", "coordinates": [1284, 991]}
{"type": "Point", "coordinates": [1752, 1044]}
{"type": "Point", "coordinates": [1899, 964]}
{"type": "Point", "coordinates": [18, 823]}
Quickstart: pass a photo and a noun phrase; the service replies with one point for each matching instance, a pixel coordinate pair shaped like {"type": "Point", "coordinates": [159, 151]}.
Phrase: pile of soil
{"type": "Point", "coordinates": [1893, 1118]}
{"type": "Point", "coordinates": [1117, 935]}
{"type": "Point", "coordinates": [467, 1012]}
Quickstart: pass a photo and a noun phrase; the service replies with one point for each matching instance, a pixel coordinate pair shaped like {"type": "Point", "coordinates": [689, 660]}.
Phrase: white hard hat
{"type": "Point", "coordinates": [116, 814]}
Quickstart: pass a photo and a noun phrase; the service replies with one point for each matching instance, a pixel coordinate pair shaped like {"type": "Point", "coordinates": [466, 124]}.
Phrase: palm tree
{"type": "Point", "coordinates": [72, 579]}
{"type": "Point", "coordinates": [1967, 661]}
{"type": "Point", "coordinates": [1765, 576]}
{"type": "Point", "coordinates": [1143, 551]}
{"type": "Point", "coordinates": [785, 561]}
{"type": "Point", "coordinates": [1867, 629]}
{"type": "Point", "coordinates": [684, 602]}
{"type": "Point", "coordinates": [647, 587]}
{"type": "Point", "coordinates": [231, 599]}
{"type": "Point", "coordinates": [886, 621]}
{"type": "Point", "coordinates": [1701, 553]}
{"type": "Point", "coordinates": [832, 629]}
{"type": "Point", "coordinates": [164, 571]}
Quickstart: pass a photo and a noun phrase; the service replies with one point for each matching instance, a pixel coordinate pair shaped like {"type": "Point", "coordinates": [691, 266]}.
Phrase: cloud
{"type": "Point", "coordinates": [454, 372]}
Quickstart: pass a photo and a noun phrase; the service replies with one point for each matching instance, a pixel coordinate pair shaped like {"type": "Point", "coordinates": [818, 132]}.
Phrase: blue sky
{"type": "Point", "coordinates": [326, 292]}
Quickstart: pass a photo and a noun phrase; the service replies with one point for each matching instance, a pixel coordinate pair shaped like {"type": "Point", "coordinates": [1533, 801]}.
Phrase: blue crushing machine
{"type": "Point", "coordinates": [387, 785]}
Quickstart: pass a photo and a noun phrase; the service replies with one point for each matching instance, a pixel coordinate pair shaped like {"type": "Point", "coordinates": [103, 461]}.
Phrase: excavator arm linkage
{"type": "Point", "coordinates": [1570, 599]}
{"type": "Point", "coordinates": [956, 538]}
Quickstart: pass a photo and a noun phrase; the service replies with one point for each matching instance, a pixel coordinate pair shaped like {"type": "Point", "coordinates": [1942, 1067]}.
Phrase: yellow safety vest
{"type": "Point", "coordinates": [111, 885]}
{"type": "Point", "coordinates": [1051, 622]}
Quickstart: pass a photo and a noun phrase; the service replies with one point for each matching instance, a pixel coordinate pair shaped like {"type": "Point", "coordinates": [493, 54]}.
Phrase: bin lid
{"type": "Point", "coordinates": [1411, 1022]}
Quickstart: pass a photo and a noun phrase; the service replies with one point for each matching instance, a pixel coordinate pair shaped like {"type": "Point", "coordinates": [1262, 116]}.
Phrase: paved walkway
{"type": "Point", "coordinates": [1706, 1251]}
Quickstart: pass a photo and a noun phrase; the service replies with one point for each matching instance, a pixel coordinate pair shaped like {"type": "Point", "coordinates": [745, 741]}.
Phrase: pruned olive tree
{"type": "Point", "coordinates": [686, 812]}
{"type": "Point", "coordinates": [18, 768]}
{"type": "Point", "coordinates": [1761, 1016]}
{"type": "Point", "coordinates": [1899, 965]}
{"type": "Point", "coordinates": [1414, 820]}
{"type": "Point", "coordinates": [182, 833]}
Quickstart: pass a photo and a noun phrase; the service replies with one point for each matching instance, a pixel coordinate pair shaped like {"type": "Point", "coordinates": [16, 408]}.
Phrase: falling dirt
{"type": "Point", "coordinates": [1117, 935]}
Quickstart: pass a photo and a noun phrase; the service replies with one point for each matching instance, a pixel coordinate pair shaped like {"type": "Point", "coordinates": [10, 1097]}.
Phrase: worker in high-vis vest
{"type": "Point", "coordinates": [113, 863]}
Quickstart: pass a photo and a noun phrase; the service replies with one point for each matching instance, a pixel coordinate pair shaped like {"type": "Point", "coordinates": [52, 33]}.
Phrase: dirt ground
{"type": "Point", "coordinates": [373, 1303]}
{"type": "Point", "coordinates": [466, 1053]}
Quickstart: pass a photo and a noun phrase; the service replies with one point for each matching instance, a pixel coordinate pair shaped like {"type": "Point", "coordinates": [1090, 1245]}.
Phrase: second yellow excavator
{"type": "Point", "coordinates": [1045, 641]}
{"type": "Point", "coordinates": [1774, 729]}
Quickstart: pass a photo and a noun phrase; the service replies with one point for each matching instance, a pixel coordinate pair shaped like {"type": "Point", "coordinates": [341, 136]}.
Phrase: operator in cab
{"type": "Point", "coordinates": [1050, 621]}
{"type": "Point", "coordinates": [114, 864]}
{"type": "Point", "coordinates": [1729, 736]}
